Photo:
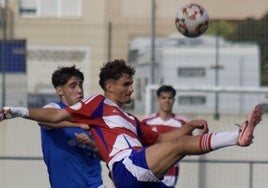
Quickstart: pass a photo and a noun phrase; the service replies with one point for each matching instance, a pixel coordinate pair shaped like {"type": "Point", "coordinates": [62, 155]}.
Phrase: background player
{"type": "Point", "coordinates": [164, 120]}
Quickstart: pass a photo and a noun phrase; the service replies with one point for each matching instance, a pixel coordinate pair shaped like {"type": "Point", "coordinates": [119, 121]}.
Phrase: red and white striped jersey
{"type": "Point", "coordinates": [115, 131]}
{"type": "Point", "coordinates": [161, 126]}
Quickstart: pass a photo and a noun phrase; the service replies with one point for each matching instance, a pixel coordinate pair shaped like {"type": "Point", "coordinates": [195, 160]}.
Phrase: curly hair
{"type": "Point", "coordinates": [63, 74]}
{"type": "Point", "coordinates": [114, 70]}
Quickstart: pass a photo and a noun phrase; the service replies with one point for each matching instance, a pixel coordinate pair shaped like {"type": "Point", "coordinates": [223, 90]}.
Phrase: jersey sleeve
{"type": "Point", "coordinates": [147, 135]}
{"type": "Point", "coordinates": [183, 121]}
{"type": "Point", "coordinates": [52, 105]}
{"type": "Point", "coordinates": [86, 109]}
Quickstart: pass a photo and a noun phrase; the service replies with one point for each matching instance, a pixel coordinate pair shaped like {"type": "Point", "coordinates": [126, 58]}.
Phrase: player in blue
{"type": "Point", "coordinates": [69, 152]}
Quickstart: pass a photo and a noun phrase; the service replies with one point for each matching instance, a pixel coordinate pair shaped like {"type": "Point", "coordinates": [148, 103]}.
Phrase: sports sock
{"type": "Point", "coordinates": [213, 141]}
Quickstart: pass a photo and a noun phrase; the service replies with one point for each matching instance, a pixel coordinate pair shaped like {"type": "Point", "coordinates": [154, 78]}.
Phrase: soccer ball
{"type": "Point", "coordinates": [192, 20]}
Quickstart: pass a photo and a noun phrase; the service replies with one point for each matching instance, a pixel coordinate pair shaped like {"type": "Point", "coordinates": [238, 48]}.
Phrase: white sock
{"type": "Point", "coordinates": [223, 139]}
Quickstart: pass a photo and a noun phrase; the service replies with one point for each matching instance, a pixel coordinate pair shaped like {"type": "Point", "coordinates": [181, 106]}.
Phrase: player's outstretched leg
{"type": "Point", "coordinates": [246, 129]}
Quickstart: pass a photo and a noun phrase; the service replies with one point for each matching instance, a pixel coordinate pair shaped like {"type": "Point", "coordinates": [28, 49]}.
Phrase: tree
{"type": "Point", "coordinates": [255, 31]}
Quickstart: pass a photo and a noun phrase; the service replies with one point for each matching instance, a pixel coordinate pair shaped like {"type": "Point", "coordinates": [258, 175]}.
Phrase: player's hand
{"type": "Point", "coordinates": [13, 112]}
{"type": "Point", "coordinates": [83, 138]}
{"type": "Point", "coordinates": [199, 124]}
{"type": "Point", "coordinates": [2, 115]}
{"type": "Point", "coordinates": [4, 112]}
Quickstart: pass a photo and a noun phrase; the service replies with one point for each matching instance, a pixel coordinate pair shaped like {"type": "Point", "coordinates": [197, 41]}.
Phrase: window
{"type": "Point", "coordinates": [191, 72]}
{"type": "Point", "coordinates": [15, 56]}
{"type": "Point", "coordinates": [192, 100]}
{"type": "Point", "coordinates": [50, 8]}
{"type": "Point", "coordinates": [39, 100]}
{"type": "Point", "coordinates": [133, 56]}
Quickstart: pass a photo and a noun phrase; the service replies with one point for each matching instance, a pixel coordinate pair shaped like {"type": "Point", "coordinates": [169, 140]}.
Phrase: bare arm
{"type": "Point", "coordinates": [63, 124]}
{"type": "Point", "coordinates": [49, 115]}
{"type": "Point", "coordinates": [184, 130]}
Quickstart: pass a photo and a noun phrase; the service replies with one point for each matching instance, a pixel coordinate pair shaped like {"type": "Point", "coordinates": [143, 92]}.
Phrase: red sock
{"type": "Point", "coordinates": [205, 142]}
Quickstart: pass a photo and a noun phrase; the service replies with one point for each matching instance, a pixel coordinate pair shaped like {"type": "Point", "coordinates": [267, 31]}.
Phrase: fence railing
{"type": "Point", "coordinates": [249, 163]}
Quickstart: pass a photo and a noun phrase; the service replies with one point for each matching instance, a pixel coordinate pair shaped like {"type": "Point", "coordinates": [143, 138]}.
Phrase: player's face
{"type": "Point", "coordinates": [166, 101]}
{"type": "Point", "coordinates": [72, 91]}
{"type": "Point", "coordinates": [119, 91]}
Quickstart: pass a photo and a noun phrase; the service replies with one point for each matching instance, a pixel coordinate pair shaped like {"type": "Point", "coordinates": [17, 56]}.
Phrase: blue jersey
{"type": "Point", "coordinates": [69, 164]}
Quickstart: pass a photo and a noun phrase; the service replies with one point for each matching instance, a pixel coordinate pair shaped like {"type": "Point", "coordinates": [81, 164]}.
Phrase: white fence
{"type": "Point", "coordinates": [216, 99]}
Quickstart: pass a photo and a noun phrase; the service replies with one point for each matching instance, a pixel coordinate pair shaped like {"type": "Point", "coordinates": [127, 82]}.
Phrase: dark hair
{"type": "Point", "coordinates": [114, 70]}
{"type": "Point", "coordinates": [63, 74]}
{"type": "Point", "coordinates": [166, 88]}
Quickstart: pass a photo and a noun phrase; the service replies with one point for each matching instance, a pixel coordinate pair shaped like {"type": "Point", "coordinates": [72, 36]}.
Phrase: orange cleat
{"type": "Point", "coordinates": [247, 128]}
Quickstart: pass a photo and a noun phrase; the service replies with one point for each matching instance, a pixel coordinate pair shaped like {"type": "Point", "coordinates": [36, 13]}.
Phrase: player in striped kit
{"type": "Point", "coordinates": [164, 120]}
{"type": "Point", "coordinates": [136, 156]}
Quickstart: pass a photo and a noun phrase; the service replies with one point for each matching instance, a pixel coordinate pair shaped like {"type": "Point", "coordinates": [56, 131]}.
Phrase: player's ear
{"type": "Point", "coordinates": [109, 86]}
{"type": "Point", "coordinates": [59, 91]}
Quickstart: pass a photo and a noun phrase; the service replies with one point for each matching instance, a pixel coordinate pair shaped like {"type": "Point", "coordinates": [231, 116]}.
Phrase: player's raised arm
{"type": "Point", "coordinates": [50, 115]}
